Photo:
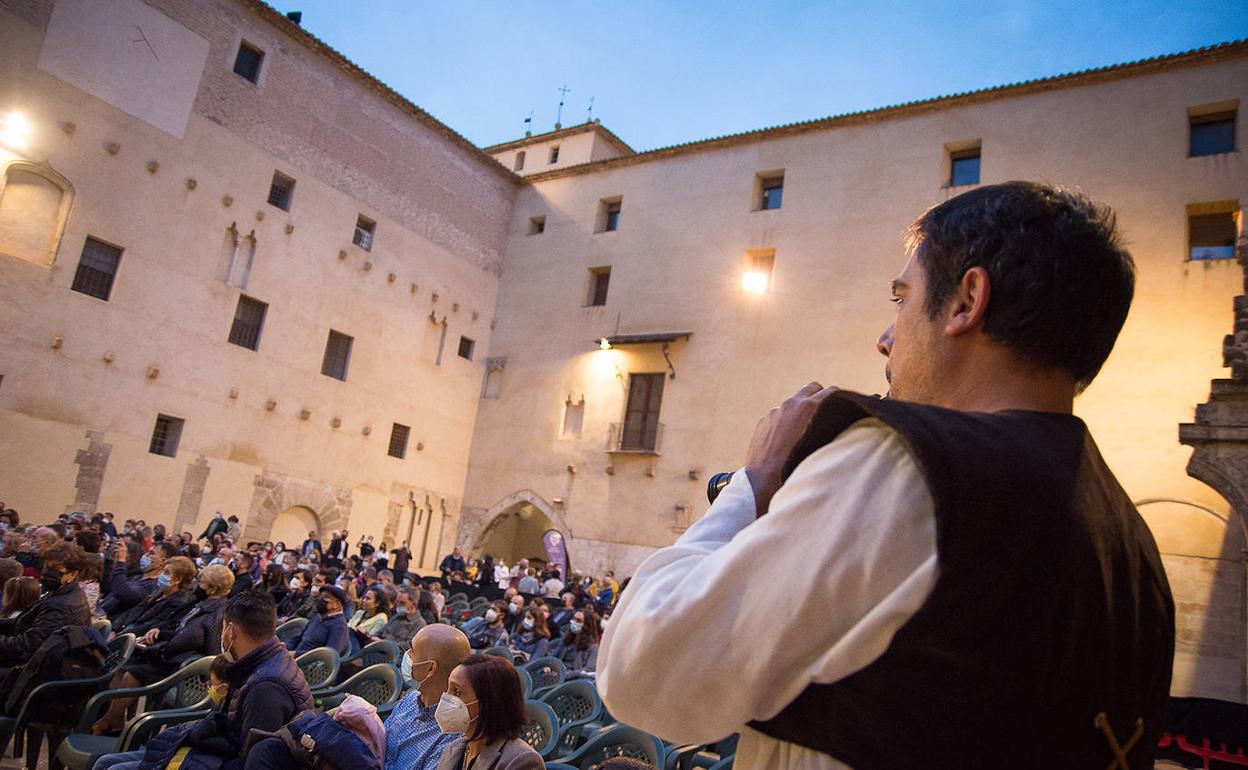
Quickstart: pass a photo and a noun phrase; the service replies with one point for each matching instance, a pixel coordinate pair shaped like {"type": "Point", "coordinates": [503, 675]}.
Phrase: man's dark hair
{"type": "Point", "coordinates": [167, 548]}
{"type": "Point", "coordinates": [1061, 280]}
{"type": "Point", "coordinates": [68, 556]}
{"type": "Point", "coordinates": [90, 541]}
{"type": "Point", "coordinates": [500, 699]}
{"type": "Point", "coordinates": [254, 612]}
{"type": "Point", "coordinates": [60, 529]}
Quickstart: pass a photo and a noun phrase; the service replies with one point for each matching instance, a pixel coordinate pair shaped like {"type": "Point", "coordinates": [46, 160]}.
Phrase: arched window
{"type": "Point", "coordinates": [34, 207]}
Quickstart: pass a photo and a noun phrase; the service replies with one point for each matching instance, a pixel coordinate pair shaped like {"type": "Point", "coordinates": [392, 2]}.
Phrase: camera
{"type": "Point", "coordinates": [717, 484]}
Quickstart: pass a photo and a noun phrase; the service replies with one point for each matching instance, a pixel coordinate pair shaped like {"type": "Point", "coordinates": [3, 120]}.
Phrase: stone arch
{"type": "Point", "coordinates": [276, 492]}
{"type": "Point", "coordinates": [35, 200]}
{"type": "Point", "coordinates": [474, 534]}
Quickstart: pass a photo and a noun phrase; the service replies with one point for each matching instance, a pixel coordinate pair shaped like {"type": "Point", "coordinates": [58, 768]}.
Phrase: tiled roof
{"type": "Point", "coordinates": [296, 31]}
{"type": "Point", "coordinates": [1222, 51]}
{"type": "Point", "coordinates": [589, 125]}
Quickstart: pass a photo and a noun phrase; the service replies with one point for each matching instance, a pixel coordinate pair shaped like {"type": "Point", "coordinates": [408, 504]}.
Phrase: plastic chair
{"type": "Point", "coordinates": [104, 626]}
{"type": "Point", "coordinates": [526, 683]}
{"type": "Point", "coordinates": [319, 666]}
{"type": "Point", "coordinates": [502, 652]}
{"type": "Point", "coordinates": [457, 597]}
{"type": "Point", "coordinates": [381, 651]}
{"type": "Point", "coordinates": [701, 755]}
{"type": "Point", "coordinates": [380, 685]}
{"type": "Point", "coordinates": [186, 688]}
{"type": "Point", "coordinates": [290, 629]}
{"type": "Point", "coordinates": [27, 735]}
{"type": "Point", "coordinates": [618, 741]}
{"type": "Point", "coordinates": [576, 704]}
{"type": "Point", "coordinates": [480, 601]}
{"type": "Point", "coordinates": [547, 673]}
{"type": "Point", "coordinates": [542, 731]}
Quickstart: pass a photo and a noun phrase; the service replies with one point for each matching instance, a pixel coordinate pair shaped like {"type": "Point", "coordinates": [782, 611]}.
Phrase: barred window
{"type": "Point", "coordinates": [248, 322]}
{"type": "Point", "coordinates": [365, 228]}
{"type": "Point", "coordinates": [96, 269]}
{"type": "Point", "coordinates": [281, 190]}
{"type": "Point", "coordinates": [337, 355]}
{"type": "Point", "coordinates": [398, 441]}
{"type": "Point", "coordinates": [166, 435]}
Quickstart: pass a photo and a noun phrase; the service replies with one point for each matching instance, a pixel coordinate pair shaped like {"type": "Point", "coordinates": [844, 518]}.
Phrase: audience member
{"type": "Point", "coordinates": [62, 604]}
{"type": "Point", "coordinates": [19, 594]}
{"type": "Point", "coordinates": [414, 738]}
{"type": "Point", "coordinates": [485, 703]}
{"type": "Point", "coordinates": [326, 628]}
{"type": "Point", "coordinates": [492, 633]}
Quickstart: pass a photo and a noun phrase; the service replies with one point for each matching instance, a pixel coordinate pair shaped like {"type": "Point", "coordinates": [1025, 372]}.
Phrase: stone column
{"type": "Point", "coordinates": [1219, 438]}
{"type": "Point", "coordinates": [91, 463]}
{"type": "Point", "coordinates": [192, 495]}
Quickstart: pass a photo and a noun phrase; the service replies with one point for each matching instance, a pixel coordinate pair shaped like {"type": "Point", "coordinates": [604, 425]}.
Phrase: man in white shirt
{"type": "Point", "coordinates": [814, 583]}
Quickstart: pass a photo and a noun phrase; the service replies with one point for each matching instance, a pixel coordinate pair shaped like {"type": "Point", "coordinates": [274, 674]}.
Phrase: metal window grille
{"type": "Point", "coordinates": [248, 322]}
{"type": "Point", "coordinates": [398, 441]}
{"type": "Point", "coordinates": [281, 191]}
{"type": "Point", "coordinates": [166, 435]}
{"type": "Point", "coordinates": [96, 269]}
{"type": "Point", "coordinates": [364, 229]}
{"type": "Point", "coordinates": [247, 62]}
{"type": "Point", "coordinates": [337, 355]}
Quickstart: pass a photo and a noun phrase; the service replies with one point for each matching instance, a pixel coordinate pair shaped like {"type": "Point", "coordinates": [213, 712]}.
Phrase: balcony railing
{"type": "Point", "coordinates": [626, 438]}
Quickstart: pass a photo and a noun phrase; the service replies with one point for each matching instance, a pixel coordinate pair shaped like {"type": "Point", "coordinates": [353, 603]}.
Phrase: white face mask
{"type": "Point", "coordinates": [490, 616]}
{"type": "Point", "coordinates": [575, 627]}
{"type": "Point", "coordinates": [452, 714]}
{"type": "Point", "coordinates": [515, 609]}
{"type": "Point", "coordinates": [528, 624]}
{"type": "Point", "coordinates": [225, 648]}
{"type": "Point", "coordinates": [295, 584]}
{"type": "Point", "coordinates": [406, 668]}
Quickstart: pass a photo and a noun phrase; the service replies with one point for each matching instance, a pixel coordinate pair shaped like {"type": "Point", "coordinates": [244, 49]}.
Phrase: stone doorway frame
{"type": "Point", "coordinates": [275, 492]}
{"type": "Point", "coordinates": [475, 534]}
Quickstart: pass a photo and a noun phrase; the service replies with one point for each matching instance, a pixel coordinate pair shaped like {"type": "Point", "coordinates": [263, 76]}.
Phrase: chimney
{"type": "Point", "coordinates": [296, 17]}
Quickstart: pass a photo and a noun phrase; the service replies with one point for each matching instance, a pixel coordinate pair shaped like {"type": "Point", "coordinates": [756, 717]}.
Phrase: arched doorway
{"type": "Point", "coordinates": [514, 527]}
{"type": "Point", "coordinates": [293, 525]}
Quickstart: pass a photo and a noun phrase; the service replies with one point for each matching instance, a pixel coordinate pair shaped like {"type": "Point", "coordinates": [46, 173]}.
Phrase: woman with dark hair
{"type": "Point", "coordinates": [580, 645]}
{"type": "Point", "coordinates": [372, 615]}
{"type": "Point", "coordinates": [275, 582]}
{"type": "Point", "coordinates": [485, 573]}
{"type": "Point", "coordinates": [485, 703]}
{"type": "Point", "coordinates": [427, 609]}
{"type": "Point", "coordinates": [532, 638]}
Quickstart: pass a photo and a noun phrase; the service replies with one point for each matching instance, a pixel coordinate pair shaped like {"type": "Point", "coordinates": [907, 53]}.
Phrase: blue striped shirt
{"type": "Point", "coordinates": [413, 739]}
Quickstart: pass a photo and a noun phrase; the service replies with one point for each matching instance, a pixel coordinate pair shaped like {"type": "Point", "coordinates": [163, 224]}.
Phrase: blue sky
{"type": "Point", "coordinates": [662, 73]}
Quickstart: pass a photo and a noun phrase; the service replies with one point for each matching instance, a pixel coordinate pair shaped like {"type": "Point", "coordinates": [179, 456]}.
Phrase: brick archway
{"type": "Point", "coordinates": [275, 492]}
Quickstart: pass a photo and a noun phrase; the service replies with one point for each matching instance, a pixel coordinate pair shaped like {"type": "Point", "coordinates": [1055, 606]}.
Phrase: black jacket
{"type": "Point", "coordinates": [125, 590]}
{"type": "Point", "coordinates": [156, 611]}
{"type": "Point", "coordinates": [297, 605]}
{"type": "Point", "coordinates": [21, 636]}
{"type": "Point", "coordinates": [215, 526]}
{"type": "Point", "coordinates": [198, 633]}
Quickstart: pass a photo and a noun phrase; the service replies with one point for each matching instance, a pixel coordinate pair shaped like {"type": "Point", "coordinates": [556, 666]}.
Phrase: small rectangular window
{"type": "Point", "coordinates": [613, 216]}
{"type": "Point", "coordinates": [96, 269]}
{"type": "Point", "coordinates": [964, 167]}
{"type": "Point", "coordinates": [248, 322]}
{"type": "Point", "coordinates": [641, 417]}
{"type": "Point", "coordinates": [364, 230]}
{"type": "Point", "coordinates": [398, 441]}
{"type": "Point", "coordinates": [1212, 236]}
{"type": "Point", "coordinates": [609, 214]}
{"type": "Point", "coordinates": [466, 347]}
{"type": "Point", "coordinates": [599, 283]}
{"type": "Point", "coordinates": [554, 155]}
{"type": "Point", "coordinates": [281, 190]}
{"type": "Point", "coordinates": [537, 225]}
{"type": "Point", "coordinates": [1211, 134]}
{"type": "Point", "coordinates": [248, 60]}
{"type": "Point", "coordinates": [337, 355]}
{"type": "Point", "coordinates": [166, 435]}
{"type": "Point", "coordinates": [771, 192]}
{"type": "Point", "coordinates": [519, 164]}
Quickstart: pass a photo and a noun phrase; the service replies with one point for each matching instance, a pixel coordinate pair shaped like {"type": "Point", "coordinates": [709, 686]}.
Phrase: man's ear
{"type": "Point", "coordinates": [969, 302]}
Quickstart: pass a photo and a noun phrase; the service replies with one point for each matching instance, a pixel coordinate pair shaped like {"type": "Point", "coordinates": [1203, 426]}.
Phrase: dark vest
{"type": "Point", "coordinates": [1051, 606]}
{"type": "Point", "coordinates": [270, 662]}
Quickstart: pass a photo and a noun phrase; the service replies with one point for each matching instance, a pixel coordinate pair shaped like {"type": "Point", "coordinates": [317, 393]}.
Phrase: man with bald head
{"type": "Point", "coordinates": [413, 739]}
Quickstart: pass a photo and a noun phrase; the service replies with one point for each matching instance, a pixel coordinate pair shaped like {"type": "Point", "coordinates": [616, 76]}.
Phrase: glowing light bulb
{"type": "Point", "coordinates": [14, 129]}
{"type": "Point", "coordinates": [604, 344]}
{"type": "Point", "coordinates": [755, 282]}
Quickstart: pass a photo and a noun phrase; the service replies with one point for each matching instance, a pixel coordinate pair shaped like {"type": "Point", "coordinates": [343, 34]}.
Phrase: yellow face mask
{"type": "Point", "coordinates": [217, 694]}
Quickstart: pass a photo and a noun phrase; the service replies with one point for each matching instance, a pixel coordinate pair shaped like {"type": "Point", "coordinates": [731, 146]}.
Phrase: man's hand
{"type": "Point", "coordinates": [774, 439]}
{"type": "Point", "coordinates": [150, 637]}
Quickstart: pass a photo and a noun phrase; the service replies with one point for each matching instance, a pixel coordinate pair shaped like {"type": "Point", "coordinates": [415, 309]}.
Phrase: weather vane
{"type": "Point", "coordinates": [563, 93]}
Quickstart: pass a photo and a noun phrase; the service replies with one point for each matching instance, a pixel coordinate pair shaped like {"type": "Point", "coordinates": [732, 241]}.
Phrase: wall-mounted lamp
{"type": "Point", "coordinates": [755, 282]}
{"type": "Point", "coordinates": [14, 130]}
{"type": "Point", "coordinates": [604, 344]}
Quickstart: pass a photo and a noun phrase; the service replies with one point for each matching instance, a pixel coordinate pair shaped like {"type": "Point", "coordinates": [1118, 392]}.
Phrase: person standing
{"type": "Point", "coordinates": [973, 583]}
{"type": "Point", "coordinates": [217, 526]}
{"type": "Point", "coordinates": [402, 560]}
{"type": "Point", "coordinates": [452, 562]}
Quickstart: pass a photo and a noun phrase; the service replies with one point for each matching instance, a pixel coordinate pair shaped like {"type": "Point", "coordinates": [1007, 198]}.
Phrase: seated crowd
{"type": "Point", "coordinates": [183, 599]}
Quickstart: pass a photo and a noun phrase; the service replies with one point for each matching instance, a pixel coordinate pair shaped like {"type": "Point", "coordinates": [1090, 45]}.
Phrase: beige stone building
{"type": "Point", "coordinates": [239, 274]}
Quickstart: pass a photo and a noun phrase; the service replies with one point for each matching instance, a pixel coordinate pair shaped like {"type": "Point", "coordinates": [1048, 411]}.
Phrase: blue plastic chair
{"type": "Point", "coordinates": [547, 673]}
{"type": "Point", "coordinates": [575, 704]}
{"type": "Point", "coordinates": [380, 685]}
{"type": "Point", "coordinates": [502, 652]}
{"type": "Point", "coordinates": [319, 666]}
{"type": "Point", "coordinates": [542, 731]}
{"type": "Point", "coordinates": [617, 741]}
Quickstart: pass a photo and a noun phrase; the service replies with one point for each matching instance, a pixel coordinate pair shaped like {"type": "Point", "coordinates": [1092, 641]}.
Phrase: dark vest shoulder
{"type": "Point", "coordinates": [1051, 606]}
